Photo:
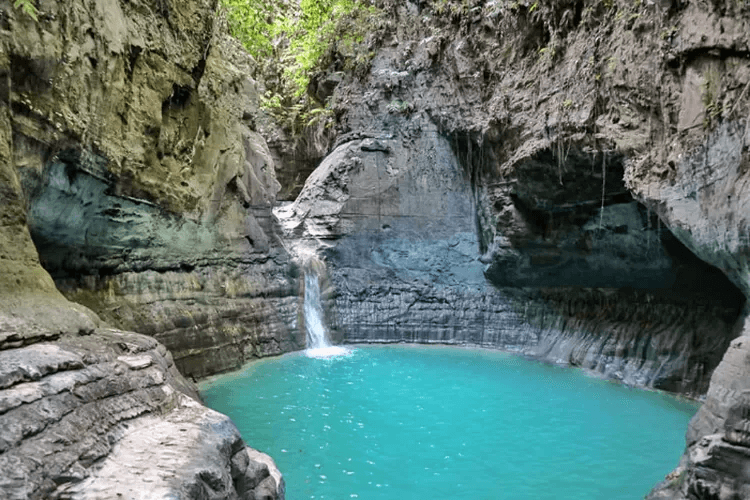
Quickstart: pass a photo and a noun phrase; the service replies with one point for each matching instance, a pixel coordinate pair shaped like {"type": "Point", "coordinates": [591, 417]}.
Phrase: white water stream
{"type": "Point", "coordinates": [318, 344]}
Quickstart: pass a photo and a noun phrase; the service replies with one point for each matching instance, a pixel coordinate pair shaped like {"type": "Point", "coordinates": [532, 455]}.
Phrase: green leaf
{"type": "Point", "coordinates": [28, 8]}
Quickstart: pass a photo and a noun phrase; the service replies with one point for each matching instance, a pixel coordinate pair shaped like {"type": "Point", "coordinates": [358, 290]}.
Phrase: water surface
{"type": "Point", "coordinates": [426, 423]}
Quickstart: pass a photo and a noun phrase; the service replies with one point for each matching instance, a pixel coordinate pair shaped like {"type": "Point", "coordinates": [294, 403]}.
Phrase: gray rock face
{"type": "Point", "coordinates": [395, 217]}
{"type": "Point", "coordinates": [703, 203]}
{"type": "Point", "coordinates": [718, 448]}
{"type": "Point", "coordinates": [216, 294]}
{"type": "Point", "coordinates": [213, 319]}
{"type": "Point", "coordinates": [107, 415]}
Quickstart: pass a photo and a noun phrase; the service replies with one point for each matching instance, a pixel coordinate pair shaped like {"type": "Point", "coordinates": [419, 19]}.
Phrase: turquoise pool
{"type": "Point", "coordinates": [419, 423]}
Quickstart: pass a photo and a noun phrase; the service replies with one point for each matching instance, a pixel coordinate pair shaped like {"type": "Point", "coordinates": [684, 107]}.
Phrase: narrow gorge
{"type": "Point", "coordinates": [565, 180]}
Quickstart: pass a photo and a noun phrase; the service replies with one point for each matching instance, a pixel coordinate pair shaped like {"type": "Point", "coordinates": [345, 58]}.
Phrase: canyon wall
{"type": "Point", "coordinates": [478, 193]}
{"type": "Point", "coordinates": [563, 180]}
{"type": "Point", "coordinates": [149, 192]}
{"type": "Point", "coordinates": [131, 179]}
{"type": "Point", "coordinates": [103, 413]}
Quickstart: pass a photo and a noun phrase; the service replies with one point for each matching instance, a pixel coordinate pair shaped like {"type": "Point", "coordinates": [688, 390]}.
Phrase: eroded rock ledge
{"type": "Point", "coordinates": [104, 414]}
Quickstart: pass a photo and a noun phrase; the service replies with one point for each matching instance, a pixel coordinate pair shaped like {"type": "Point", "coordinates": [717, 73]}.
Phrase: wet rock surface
{"type": "Point", "coordinates": [213, 319]}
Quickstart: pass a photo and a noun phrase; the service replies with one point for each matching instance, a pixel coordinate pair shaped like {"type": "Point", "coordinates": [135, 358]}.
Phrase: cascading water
{"type": "Point", "coordinates": [318, 344]}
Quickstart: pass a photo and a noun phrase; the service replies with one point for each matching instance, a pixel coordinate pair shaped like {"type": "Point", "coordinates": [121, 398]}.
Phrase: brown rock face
{"type": "Point", "coordinates": [131, 138]}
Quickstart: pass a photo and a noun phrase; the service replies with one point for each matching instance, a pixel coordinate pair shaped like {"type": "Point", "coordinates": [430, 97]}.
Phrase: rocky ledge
{"type": "Point", "coordinates": [104, 413]}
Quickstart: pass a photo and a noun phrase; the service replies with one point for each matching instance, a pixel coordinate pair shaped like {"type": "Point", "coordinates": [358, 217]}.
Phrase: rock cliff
{"type": "Point", "coordinates": [148, 189]}
{"type": "Point", "coordinates": [467, 158]}
{"type": "Point", "coordinates": [131, 174]}
{"type": "Point", "coordinates": [563, 179]}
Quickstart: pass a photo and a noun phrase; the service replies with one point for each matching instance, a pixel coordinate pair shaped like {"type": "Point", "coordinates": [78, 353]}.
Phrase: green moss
{"type": "Point", "coordinates": [28, 8]}
{"type": "Point", "coordinates": [300, 36]}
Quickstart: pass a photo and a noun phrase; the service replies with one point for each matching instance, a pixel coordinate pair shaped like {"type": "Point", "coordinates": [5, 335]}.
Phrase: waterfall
{"type": "Point", "coordinates": [318, 344]}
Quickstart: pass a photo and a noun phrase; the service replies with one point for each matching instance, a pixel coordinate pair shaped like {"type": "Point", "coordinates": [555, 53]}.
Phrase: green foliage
{"type": "Point", "coordinates": [297, 39]}
{"type": "Point", "coordinates": [251, 22]}
{"type": "Point", "coordinates": [548, 54]}
{"type": "Point", "coordinates": [310, 38]}
{"type": "Point", "coordinates": [440, 7]}
{"type": "Point", "coordinates": [28, 8]}
{"type": "Point", "coordinates": [271, 101]}
{"type": "Point", "coordinates": [317, 115]}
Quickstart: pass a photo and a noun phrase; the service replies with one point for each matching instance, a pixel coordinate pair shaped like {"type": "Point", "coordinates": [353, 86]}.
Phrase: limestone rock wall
{"type": "Point", "coordinates": [478, 195]}
{"type": "Point", "coordinates": [132, 144]}
{"type": "Point", "coordinates": [131, 178]}
{"type": "Point", "coordinates": [106, 414]}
